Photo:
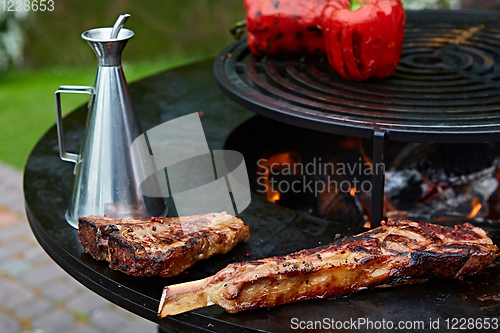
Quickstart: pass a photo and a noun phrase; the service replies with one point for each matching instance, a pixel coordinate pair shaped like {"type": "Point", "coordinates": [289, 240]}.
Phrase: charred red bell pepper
{"type": "Point", "coordinates": [285, 26]}
{"type": "Point", "coordinates": [364, 39]}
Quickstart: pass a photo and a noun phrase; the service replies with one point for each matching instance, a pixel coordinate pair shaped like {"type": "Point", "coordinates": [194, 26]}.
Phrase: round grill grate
{"type": "Point", "coordinates": [445, 89]}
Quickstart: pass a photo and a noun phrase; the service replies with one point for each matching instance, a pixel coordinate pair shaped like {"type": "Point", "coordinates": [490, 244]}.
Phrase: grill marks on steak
{"type": "Point", "coordinates": [394, 254]}
{"type": "Point", "coordinates": [93, 233]}
{"type": "Point", "coordinates": [160, 246]}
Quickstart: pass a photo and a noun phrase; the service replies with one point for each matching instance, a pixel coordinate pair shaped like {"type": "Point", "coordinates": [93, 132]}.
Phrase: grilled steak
{"type": "Point", "coordinates": [160, 246]}
{"type": "Point", "coordinates": [393, 254]}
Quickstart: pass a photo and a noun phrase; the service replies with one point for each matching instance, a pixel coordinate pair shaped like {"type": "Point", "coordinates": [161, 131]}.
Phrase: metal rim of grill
{"type": "Point", "coordinates": [445, 89]}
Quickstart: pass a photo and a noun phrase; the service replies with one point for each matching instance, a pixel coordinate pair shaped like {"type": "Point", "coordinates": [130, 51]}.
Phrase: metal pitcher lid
{"type": "Point", "coordinates": [114, 34]}
{"type": "Point", "coordinates": [103, 35]}
{"type": "Point", "coordinates": [108, 43]}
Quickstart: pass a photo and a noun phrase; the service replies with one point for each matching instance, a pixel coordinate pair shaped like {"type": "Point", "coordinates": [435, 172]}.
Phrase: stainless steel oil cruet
{"type": "Point", "coordinates": [107, 180]}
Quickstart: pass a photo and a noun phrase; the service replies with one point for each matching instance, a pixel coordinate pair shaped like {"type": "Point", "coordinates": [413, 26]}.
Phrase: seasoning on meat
{"type": "Point", "coordinates": [393, 254]}
{"type": "Point", "coordinates": [160, 246]}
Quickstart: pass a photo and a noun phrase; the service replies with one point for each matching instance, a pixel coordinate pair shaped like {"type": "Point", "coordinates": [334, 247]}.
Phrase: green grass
{"type": "Point", "coordinates": [27, 107]}
{"type": "Point", "coordinates": [176, 30]}
{"type": "Point", "coordinates": [162, 28]}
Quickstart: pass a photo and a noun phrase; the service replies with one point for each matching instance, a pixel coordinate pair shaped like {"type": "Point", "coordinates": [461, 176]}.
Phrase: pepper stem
{"type": "Point", "coordinates": [355, 5]}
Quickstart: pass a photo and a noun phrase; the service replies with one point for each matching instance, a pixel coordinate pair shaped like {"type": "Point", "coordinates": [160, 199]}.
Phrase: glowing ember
{"type": "Point", "coordinates": [423, 190]}
{"type": "Point", "coordinates": [349, 143]}
{"type": "Point", "coordinates": [274, 196]}
{"type": "Point", "coordinates": [274, 164]}
{"type": "Point", "coordinates": [367, 160]}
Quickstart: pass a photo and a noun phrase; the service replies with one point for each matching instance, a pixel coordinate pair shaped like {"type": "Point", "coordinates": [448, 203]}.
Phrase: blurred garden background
{"type": "Point", "coordinates": [39, 51]}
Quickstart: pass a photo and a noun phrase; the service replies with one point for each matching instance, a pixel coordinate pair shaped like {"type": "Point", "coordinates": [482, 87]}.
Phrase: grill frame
{"type": "Point", "coordinates": [175, 93]}
{"type": "Point", "coordinates": [228, 67]}
{"type": "Point", "coordinates": [236, 59]}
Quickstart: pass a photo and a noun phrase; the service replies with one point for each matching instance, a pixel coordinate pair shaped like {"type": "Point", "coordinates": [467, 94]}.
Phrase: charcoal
{"type": "Point", "coordinates": [424, 181]}
{"type": "Point", "coordinates": [448, 164]}
{"type": "Point", "coordinates": [341, 207]}
{"type": "Point", "coordinates": [404, 188]}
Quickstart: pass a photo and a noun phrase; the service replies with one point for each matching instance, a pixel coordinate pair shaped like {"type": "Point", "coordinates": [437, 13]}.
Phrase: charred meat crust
{"type": "Point", "coordinates": [160, 246]}
{"type": "Point", "coordinates": [93, 235]}
{"type": "Point", "coordinates": [135, 259]}
{"type": "Point", "coordinates": [409, 252]}
{"type": "Point", "coordinates": [397, 253]}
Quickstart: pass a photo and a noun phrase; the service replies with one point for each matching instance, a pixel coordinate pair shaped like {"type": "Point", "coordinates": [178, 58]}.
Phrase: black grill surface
{"type": "Point", "coordinates": [445, 89]}
{"type": "Point", "coordinates": [275, 230]}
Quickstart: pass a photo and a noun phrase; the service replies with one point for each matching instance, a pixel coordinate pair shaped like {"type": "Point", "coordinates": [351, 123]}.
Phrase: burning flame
{"type": "Point", "coordinates": [349, 143]}
{"type": "Point", "coordinates": [367, 160]}
{"type": "Point", "coordinates": [476, 207]}
{"type": "Point", "coordinates": [270, 167]}
{"type": "Point", "coordinates": [274, 196]}
{"type": "Point", "coordinates": [276, 163]}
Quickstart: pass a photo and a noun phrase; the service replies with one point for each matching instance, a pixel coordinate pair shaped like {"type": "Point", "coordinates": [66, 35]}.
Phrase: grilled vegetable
{"type": "Point", "coordinates": [285, 26]}
{"type": "Point", "coordinates": [393, 254]}
{"type": "Point", "coordinates": [364, 40]}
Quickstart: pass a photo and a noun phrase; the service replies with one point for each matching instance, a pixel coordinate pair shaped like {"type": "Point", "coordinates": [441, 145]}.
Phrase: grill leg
{"type": "Point", "coordinates": [378, 179]}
